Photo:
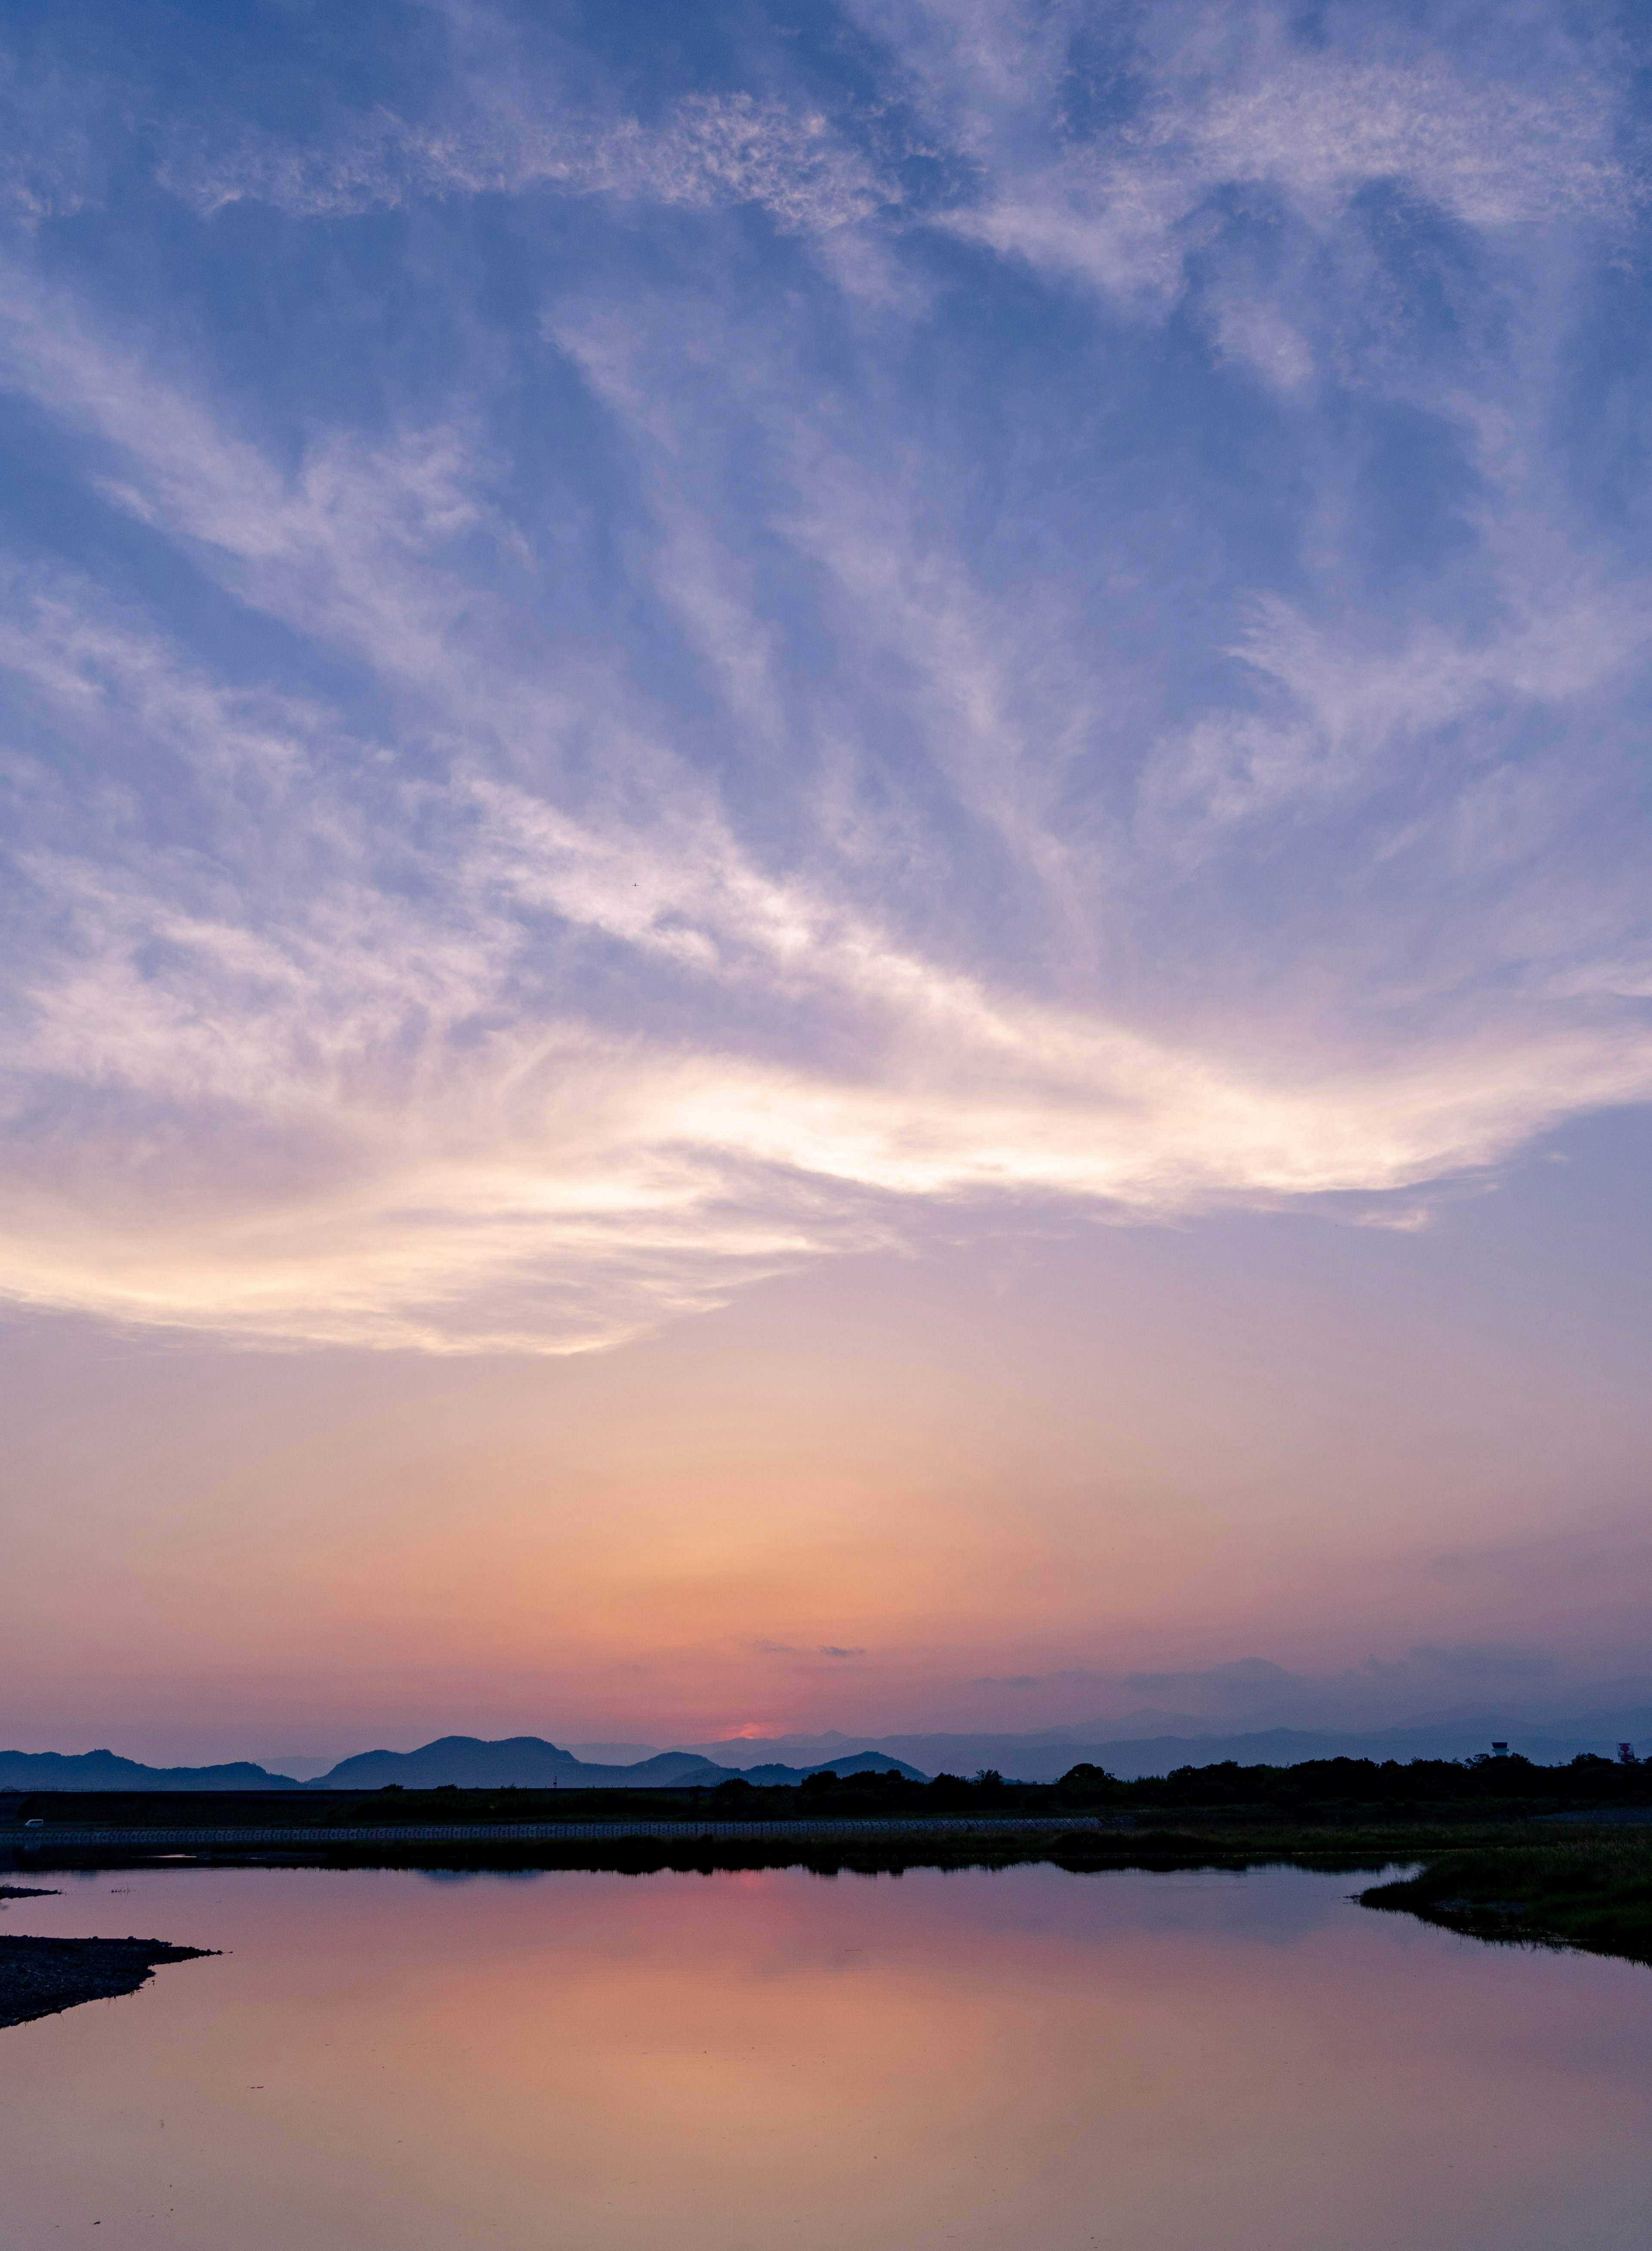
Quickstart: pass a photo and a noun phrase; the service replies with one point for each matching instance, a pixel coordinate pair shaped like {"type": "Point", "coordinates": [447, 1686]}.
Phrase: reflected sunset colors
{"type": "Point", "coordinates": [607, 2063]}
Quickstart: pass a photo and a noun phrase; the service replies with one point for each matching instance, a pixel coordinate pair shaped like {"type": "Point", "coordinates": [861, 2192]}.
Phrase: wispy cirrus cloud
{"type": "Point", "coordinates": [1117, 211]}
{"type": "Point", "coordinates": [707, 151]}
{"type": "Point", "coordinates": [288, 1100]}
{"type": "Point", "coordinates": [1311, 201]}
{"type": "Point", "coordinates": [693, 807]}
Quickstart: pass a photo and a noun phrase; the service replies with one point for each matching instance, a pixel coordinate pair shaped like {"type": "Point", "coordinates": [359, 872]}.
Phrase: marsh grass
{"type": "Point", "coordinates": [1593, 1893]}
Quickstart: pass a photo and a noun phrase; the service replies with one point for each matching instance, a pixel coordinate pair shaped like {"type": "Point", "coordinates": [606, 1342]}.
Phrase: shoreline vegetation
{"type": "Point", "coordinates": [1593, 1894]}
{"type": "Point", "coordinates": [1502, 1850]}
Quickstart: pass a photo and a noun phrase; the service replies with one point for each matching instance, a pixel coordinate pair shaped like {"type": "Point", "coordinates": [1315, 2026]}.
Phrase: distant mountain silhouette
{"type": "Point", "coordinates": [859, 1763]}
{"type": "Point", "coordinates": [520, 1761]}
{"type": "Point", "coordinates": [106, 1770]}
{"type": "Point", "coordinates": [529, 1762]}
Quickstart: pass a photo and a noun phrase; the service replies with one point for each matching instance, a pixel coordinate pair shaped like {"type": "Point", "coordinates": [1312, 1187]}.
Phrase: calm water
{"type": "Point", "coordinates": [1028, 2061]}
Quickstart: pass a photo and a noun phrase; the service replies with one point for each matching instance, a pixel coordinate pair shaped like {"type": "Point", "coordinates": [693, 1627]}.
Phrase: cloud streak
{"type": "Point", "coordinates": [672, 819]}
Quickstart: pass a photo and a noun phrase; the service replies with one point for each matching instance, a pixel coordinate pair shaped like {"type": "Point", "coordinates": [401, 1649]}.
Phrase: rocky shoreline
{"type": "Point", "coordinates": [41, 1977]}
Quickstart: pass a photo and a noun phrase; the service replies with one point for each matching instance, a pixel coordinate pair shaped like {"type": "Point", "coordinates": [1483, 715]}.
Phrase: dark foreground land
{"type": "Point", "coordinates": [40, 1977]}
{"type": "Point", "coordinates": [1592, 1893]}
{"type": "Point", "coordinates": [1507, 1851]}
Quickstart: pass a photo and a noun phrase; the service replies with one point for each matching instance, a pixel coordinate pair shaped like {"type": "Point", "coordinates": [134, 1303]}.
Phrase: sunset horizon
{"type": "Point", "coordinates": [827, 892]}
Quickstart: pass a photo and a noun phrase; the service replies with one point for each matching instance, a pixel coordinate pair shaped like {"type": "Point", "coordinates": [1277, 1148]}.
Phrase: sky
{"type": "Point", "coordinates": [824, 885]}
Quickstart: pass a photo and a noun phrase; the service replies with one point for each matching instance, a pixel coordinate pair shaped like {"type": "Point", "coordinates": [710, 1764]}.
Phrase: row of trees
{"type": "Point", "coordinates": [1587, 1779]}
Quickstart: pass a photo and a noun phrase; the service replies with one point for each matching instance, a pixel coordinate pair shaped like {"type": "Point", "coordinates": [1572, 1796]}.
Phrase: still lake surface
{"type": "Point", "coordinates": [1029, 2061]}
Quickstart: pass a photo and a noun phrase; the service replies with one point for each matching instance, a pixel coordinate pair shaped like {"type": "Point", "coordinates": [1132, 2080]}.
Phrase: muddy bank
{"type": "Point", "coordinates": [40, 1977]}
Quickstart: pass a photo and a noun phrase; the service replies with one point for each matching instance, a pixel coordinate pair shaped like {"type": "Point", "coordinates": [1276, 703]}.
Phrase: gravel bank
{"type": "Point", "coordinates": [38, 1977]}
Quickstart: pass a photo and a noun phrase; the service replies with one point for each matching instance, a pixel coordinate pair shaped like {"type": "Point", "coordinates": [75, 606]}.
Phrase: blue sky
{"type": "Point", "coordinates": [645, 648]}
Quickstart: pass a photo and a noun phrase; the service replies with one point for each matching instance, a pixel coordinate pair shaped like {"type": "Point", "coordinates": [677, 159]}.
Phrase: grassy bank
{"type": "Point", "coordinates": [1593, 1893]}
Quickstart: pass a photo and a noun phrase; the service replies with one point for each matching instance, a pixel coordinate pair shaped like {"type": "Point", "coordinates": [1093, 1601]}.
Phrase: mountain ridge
{"type": "Point", "coordinates": [528, 1762]}
{"type": "Point", "coordinates": [107, 1770]}
{"type": "Point", "coordinates": [460, 1762]}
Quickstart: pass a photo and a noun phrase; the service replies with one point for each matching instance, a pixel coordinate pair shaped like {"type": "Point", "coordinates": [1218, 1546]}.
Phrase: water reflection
{"type": "Point", "coordinates": [1145, 2063]}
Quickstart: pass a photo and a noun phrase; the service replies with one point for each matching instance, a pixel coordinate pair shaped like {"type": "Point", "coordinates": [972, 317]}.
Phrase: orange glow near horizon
{"type": "Point", "coordinates": [824, 871]}
{"type": "Point", "coordinates": [893, 1503]}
